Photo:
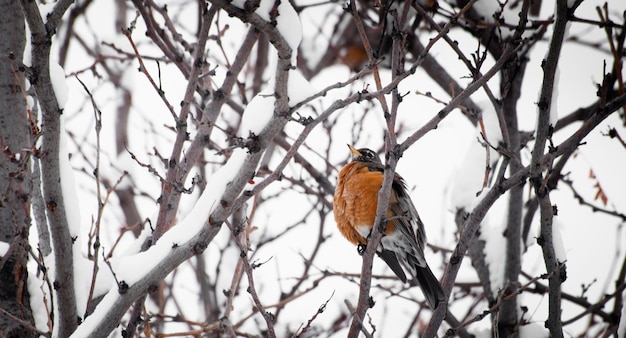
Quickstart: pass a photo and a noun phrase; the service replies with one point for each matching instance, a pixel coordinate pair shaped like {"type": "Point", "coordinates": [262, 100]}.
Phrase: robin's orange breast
{"type": "Point", "coordinates": [355, 201]}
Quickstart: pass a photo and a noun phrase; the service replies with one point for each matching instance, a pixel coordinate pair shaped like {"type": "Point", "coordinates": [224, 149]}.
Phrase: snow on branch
{"type": "Point", "coordinates": [192, 235]}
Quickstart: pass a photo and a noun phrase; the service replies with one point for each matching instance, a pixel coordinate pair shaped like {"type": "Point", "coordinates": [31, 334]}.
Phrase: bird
{"type": "Point", "coordinates": [402, 245]}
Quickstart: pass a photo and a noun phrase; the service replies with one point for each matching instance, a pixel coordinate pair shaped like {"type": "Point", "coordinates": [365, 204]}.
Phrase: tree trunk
{"type": "Point", "coordinates": [15, 177]}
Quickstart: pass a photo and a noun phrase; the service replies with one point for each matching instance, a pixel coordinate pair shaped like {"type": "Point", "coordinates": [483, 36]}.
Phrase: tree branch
{"type": "Point", "coordinates": [62, 242]}
{"type": "Point", "coordinates": [554, 268]}
{"type": "Point", "coordinates": [112, 308]}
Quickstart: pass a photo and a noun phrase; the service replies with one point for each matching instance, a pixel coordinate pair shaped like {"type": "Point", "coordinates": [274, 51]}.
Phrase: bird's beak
{"type": "Point", "coordinates": [354, 151]}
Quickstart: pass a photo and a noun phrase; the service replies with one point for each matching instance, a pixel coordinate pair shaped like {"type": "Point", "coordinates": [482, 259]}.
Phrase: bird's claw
{"type": "Point", "coordinates": [360, 248]}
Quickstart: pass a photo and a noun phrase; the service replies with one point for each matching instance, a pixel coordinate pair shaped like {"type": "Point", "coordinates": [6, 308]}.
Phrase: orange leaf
{"type": "Point", "coordinates": [600, 194]}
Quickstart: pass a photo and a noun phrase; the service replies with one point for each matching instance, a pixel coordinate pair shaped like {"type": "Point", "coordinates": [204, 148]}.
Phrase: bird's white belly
{"type": "Point", "coordinates": [364, 230]}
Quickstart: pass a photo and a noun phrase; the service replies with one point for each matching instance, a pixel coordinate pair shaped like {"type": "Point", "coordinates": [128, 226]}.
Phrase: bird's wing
{"type": "Point", "coordinates": [406, 218]}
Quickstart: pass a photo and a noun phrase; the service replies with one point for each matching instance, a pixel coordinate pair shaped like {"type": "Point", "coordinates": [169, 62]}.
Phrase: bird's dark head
{"type": "Point", "coordinates": [364, 155]}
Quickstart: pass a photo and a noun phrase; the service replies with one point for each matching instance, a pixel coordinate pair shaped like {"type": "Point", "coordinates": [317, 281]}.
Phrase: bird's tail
{"type": "Point", "coordinates": [430, 286]}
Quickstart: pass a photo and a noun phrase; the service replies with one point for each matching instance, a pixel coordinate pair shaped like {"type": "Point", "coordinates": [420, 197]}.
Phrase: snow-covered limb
{"type": "Point", "coordinates": [170, 198]}
{"type": "Point", "coordinates": [41, 35]}
{"type": "Point", "coordinates": [196, 147]}
{"type": "Point", "coordinates": [188, 238]}
{"type": "Point", "coordinates": [196, 230]}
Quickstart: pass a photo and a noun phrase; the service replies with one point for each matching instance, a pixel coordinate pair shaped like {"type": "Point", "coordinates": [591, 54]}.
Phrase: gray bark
{"type": "Point", "coordinates": [15, 177]}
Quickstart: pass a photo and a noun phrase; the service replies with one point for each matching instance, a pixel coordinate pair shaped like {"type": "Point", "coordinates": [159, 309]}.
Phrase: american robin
{"type": "Point", "coordinates": [402, 245]}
